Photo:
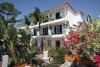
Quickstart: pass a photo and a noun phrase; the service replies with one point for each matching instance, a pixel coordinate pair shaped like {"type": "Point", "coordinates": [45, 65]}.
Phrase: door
{"type": "Point", "coordinates": [58, 15]}
{"type": "Point", "coordinates": [57, 44]}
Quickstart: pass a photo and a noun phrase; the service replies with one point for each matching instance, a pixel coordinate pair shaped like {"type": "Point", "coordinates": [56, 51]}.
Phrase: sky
{"type": "Point", "coordinates": [91, 7]}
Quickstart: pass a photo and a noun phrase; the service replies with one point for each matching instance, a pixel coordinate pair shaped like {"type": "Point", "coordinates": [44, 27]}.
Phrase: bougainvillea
{"type": "Point", "coordinates": [84, 40]}
{"type": "Point", "coordinates": [97, 60]}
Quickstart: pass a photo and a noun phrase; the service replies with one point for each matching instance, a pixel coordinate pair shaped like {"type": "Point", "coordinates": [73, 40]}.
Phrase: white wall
{"type": "Point", "coordinates": [54, 42]}
{"type": "Point", "coordinates": [62, 13]}
{"type": "Point", "coordinates": [71, 17]}
{"type": "Point", "coordinates": [78, 18]}
{"type": "Point", "coordinates": [74, 18]}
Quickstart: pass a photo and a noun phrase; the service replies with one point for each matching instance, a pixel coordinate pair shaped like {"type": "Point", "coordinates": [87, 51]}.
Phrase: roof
{"type": "Point", "coordinates": [66, 4]}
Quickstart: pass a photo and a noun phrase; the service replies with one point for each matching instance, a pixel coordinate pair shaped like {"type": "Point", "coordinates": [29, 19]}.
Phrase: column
{"type": "Point", "coordinates": [65, 27]}
{"type": "Point", "coordinates": [49, 30]}
{"type": "Point", "coordinates": [31, 41]}
{"type": "Point", "coordinates": [39, 43]}
{"type": "Point", "coordinates": [38, 33]}
{"type": "Point", "coordinates": [48, 15]}
{"type": "Point", "coordinates": [53, 43]}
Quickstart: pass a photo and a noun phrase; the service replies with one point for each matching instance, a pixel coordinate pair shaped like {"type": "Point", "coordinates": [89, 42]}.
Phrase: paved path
{"type": "Point", "coordinates": [46, 60]}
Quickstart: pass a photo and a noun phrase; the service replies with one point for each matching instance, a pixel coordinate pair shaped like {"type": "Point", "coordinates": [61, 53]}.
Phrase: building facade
{"type": "Point", "coordinates": [52, 32]}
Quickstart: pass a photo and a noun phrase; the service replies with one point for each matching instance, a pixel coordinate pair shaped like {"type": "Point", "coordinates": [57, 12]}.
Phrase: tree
{"type": "Point", "coordinates": [8, 10]}
{"type": "Point", "coordinates": [38, 17]}
{"type": "Point", "coordinates": [8, 14]}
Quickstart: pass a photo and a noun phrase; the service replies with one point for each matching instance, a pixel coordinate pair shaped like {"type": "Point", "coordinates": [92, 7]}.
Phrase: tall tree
{"type": "Point", "coordinates": [8, 14]}
{"type": "Point", "coordinates": [38, 17]}
{"type": "Point", "coordinates": [9, 11]}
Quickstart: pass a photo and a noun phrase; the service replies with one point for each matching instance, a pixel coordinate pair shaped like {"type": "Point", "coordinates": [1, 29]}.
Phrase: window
{"type": "Point", "coordinates": [35, 31]}
{"type": "Point", "coordinates": [57, 44]}
{"type": "Point", "coordinates": [58, 15]}
{"type": "Point", "coordinates": [49, 42]}
{"type": "Point", "coordinates": [45, 31]}
{"type": "Point", "coordinates": [58, 29]}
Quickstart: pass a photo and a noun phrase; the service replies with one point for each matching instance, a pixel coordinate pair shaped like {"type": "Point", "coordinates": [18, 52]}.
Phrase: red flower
{"type": "Point", "coordinates": [91, 35]}
{"type": "Point", "coordinates": [83, 29]}
{"type": "Point", "coordinates": [66, 42]}
{"type": "Point", "coordinates": [72, 37]}
{"type": "Point", "coordinates": [78, 51]}
{"type": "Point", "coordinates": [98, 64]}
{"type": "Point", "coordinates": [97, 58]}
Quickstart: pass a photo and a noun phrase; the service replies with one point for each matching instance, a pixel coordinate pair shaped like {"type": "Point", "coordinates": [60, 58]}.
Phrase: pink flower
{"type": "Point", "coordinates": [91, 35]}
{"type": "Point", "coordinates": [78, 51]}
{"type": "Point", "coordinates": [66, 42]}
{"type": "Point", "coordinates": [83, 29]}
{"type": "Point", "coordinates": [97, 58]}
{"type": "Point", "coordinates": [98, 64]}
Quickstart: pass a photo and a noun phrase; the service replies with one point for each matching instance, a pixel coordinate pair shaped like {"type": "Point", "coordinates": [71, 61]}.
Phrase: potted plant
{"type": "Point", "coordinates": [45, 51]}
{"type": "Point", "coordinates": [84, 41]}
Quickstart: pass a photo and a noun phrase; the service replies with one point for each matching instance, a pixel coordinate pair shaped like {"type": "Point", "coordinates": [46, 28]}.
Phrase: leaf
{"type": "Point", "coordinates": [89, 19]}
{"type": "Point", "coordinates": [98, 25]}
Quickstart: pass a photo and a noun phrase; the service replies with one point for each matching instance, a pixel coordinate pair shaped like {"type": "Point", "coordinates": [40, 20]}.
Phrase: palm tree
{"type": "Point", "coordinates": [8, 15]}
{"type": "Point", "coordinates": [38, 17]}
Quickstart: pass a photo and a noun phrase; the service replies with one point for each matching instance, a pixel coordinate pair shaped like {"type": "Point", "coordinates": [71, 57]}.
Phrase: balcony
{"type": "Point", "coordinates": [50, 22]}
{"type": "Point", "coordinates": [50, 36]}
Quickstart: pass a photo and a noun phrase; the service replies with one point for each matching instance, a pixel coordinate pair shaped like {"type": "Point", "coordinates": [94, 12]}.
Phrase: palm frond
{"type": "Point", "coordinates": [27, 20]}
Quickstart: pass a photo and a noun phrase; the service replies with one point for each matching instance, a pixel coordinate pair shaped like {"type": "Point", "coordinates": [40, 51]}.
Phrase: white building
{"type": "Point", "coordinates": [52, 32]}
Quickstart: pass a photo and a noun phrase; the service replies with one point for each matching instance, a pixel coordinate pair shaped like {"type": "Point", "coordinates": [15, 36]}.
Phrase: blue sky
{"type": "Point", "coordinates": [86, 6]}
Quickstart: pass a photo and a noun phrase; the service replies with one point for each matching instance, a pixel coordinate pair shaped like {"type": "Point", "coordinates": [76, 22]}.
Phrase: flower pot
{"type": "Point", "coordinates": [69, 58]}
{"type": "Point", "coordinates": [25, 65]}
{"type": "Point", "coordinates": [45, 55]}
{"type": "Point", "coordinates": [83, 60]}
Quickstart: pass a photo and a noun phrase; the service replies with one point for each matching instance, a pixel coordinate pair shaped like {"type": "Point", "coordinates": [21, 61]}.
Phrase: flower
{"type": "Point", "coordinates": [97, 60]}
{"type": "Point", "coordinates": [84, 40]}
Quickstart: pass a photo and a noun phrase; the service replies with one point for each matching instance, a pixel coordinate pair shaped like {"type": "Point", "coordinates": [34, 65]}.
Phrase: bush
{"type": "Point", "coordinates": [58, 55]}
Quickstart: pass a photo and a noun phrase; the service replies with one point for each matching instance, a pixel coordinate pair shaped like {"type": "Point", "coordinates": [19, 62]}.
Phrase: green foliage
{"type": "Point", "coordinates": [8, 14]}
{"type": "Point", "coordinates": [10, 35]}
{"type": "Point", "coordinates": [89, 19]}
{"type": "Point", "coordinates": [38, 17]}
{"type": "Point", "coordinates": [10, 11]}
{"type": "Point", "coordinates": [27, 21]}
{"type": "Point", "coordinates": [58, 55]}
{"type": "Point", "coordinates": [25, 37]}
{"type": "Point", "coordinates": [33, 48]}
{"type": "Point", "coordinates": [46, 47]}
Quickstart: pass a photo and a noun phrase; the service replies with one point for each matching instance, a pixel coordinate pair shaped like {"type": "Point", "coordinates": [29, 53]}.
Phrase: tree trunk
{"type": "Point", "coordinates": [12, 50]}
